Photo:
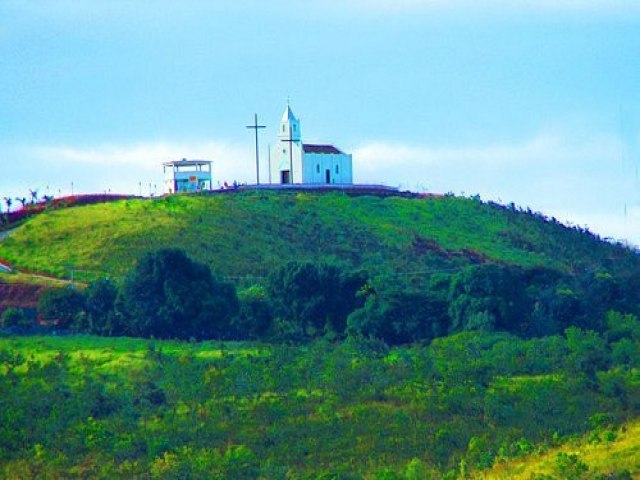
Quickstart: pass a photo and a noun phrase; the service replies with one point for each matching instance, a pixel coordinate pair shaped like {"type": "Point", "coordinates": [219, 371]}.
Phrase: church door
{"type": "Point", "coordinates": [327, 176]}
{"type": "Point", "coordinates": [284, 176]}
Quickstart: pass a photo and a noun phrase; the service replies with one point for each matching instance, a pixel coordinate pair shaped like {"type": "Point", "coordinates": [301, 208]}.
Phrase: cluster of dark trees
{"type": "Point", "coordinates": [492, 297]}
{"type": "Point", "coordinates": [168, 295]}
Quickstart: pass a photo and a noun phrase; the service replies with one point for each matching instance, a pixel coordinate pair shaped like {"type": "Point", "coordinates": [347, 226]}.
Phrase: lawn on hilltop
{"type": "Point", "coordinates": [249, 234]}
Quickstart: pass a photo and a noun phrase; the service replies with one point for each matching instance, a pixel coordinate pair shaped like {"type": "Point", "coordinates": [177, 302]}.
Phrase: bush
{"type": "Point", "coordinates": [254, 318]}
{"type": "Point", "coordinates": [65, 306]}
{"type": "Point", "coordinates": [101, 316]}
{"type": "Point", "coordinates": [15, 318]}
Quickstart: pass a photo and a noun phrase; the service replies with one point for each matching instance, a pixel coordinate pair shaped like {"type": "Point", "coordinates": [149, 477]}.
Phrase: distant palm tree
{"type": "Point", "coordinates": [9, 202]}
{"type": "Point", "coordinates": [34, 196]}
{"type": "Point", "coordinates": [23, 201]}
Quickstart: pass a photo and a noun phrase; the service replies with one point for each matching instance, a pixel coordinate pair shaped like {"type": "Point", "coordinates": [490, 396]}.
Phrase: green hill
{"type": "Point", "coordinates": [249, 233]}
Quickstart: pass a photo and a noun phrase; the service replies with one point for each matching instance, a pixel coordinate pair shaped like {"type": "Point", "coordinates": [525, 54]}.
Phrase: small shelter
{"type": "Point", "coordinates": [187, 176]}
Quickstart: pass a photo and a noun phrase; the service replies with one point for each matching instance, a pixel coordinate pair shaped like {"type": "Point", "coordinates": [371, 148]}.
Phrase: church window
{"type": "Point", "coordinates": [337, 169]}
{"type": "Point", "coordinates": [284, 150]}
{"type": "Point", "coordinates": [318, 168]}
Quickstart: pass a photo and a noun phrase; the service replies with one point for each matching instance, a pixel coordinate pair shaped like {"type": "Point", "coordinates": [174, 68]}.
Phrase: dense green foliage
{"type": "Point", "coordinates": [16, 319]}
{"type": "Point", "coordinates": [168, 295]}
{"type": "Point", "coordinates": [64, 305]}
{"type": "Point", "coordinates": [119, 408]}
{"type": "Point", "coordinates": [312, 299]}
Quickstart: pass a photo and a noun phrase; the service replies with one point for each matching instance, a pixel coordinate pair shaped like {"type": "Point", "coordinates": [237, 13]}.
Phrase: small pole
{"type": "Point", "coordinates": [269, 156]}
{"type": "Point", "coordinates": [255, 127]}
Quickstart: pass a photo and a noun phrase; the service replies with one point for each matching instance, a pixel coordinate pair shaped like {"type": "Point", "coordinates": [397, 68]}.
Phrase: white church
{"type": "Point", "coordinates": [302, 163]}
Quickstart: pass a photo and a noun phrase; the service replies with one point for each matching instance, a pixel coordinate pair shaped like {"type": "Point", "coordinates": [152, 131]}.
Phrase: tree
{"type": "Point", "coordinates": [100, 305]}
{"type": "Point", "coordinates": [254, 318]}
{"type": "Point", "coordinates": [34, 196]}
{"type": "Point", "coordinates": [62, 305]}
{"type": "Point", "coordinates": [488, 297]}
{"type": "Point", "coordinates": [168, 295]}
{"type": "Point", "coordinates": [621, 326]}
{"type": "Point", "coordinates": [588, 352]}
{"type": "Point", "coordinates": [15, 318]}
{"type": "Point", "coordinates": [399, 315]}
{"type": "Point", "coordinates": [314, 297]}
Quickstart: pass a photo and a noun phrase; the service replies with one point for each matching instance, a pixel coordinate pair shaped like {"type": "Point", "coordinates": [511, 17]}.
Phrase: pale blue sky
{"type": "Point", "coordinates": [533, 102]}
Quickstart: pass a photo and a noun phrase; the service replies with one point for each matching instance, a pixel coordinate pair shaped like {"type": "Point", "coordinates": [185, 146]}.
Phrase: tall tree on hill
{"type": "Point", "coordinates": [397, 312]}
{"type": "Point", "coordinates": [168, 295]}
{"type": "Point", "coordinates": [488, 297]}
{"type": "Point", "coordinates": [314, 297]}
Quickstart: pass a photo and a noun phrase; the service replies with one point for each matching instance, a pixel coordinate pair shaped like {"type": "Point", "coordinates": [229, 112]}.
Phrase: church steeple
{"type": "Point", "coordinates": [289, 121]}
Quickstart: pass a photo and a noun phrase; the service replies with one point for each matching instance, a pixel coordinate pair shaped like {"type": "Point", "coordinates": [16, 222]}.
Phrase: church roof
{"type": "Point", "coordinates": [308, 148]}
{"type": "Point", "coordinates": [288, 115]}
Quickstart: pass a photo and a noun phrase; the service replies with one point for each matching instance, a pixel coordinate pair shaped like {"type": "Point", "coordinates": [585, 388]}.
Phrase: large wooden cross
{"type": "Point", "coordinates": [256, 127]}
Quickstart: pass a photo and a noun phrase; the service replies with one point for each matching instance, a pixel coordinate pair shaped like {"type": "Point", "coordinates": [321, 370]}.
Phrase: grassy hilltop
{"type": "Point", "coordinates": [251, 233]}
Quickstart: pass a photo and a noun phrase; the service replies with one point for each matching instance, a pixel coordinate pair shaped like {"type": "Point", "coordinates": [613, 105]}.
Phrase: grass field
{"type": "Point", "coordinates": [248, 234]}
{"type": "Point", "coordinates": [117, 356]}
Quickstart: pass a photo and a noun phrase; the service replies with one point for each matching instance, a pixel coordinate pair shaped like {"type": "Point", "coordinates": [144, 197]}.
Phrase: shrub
{"type": "Point", "coordinates": [15, 318]}
{"type": "Point", "coordinates": [65, 306]}
{"type": "Point", "coordinates": [100, 304]}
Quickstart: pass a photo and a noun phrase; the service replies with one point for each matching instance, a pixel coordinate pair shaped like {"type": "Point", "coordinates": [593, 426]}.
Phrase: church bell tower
{"type": "Point", "coordinates": [289, 149]}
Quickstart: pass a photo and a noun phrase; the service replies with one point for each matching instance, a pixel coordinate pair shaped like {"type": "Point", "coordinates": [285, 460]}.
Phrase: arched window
{"type": "Point", "coordinates": [337, 169]}
{"type": "Point", "coordinates": [318, 168]}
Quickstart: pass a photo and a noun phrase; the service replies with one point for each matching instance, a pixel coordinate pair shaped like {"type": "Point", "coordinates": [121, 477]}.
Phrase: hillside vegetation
{"type": "Point", "coordinates": [468, 405]}
{"type": "Point", "coordinates": [611, 454]}
{"type": "Point", "coordinates": [382, 338]}
{"type": "Point", "coordinates": [252, 233]}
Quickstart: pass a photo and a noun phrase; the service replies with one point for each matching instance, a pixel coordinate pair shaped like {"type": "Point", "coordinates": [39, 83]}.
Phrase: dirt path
{"type": "Point", "coordinates": [6, 233]}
